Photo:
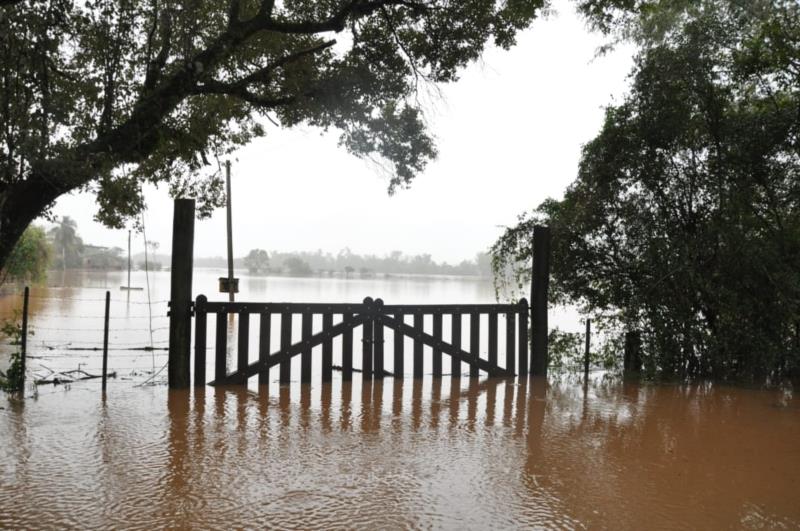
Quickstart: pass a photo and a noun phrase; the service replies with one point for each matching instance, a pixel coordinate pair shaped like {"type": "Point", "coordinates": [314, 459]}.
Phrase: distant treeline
{"type": "Point", "coordinates": [346, 263]}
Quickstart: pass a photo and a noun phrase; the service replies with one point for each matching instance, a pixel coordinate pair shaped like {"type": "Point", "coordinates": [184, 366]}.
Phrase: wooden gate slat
{"type": "Point", "coordinates": [399, 347]}
{"type": "Point", "coordinates": [366, 350]}
{"type": "Point", "coordinates": [200, 338]}
{"type": "Point", "coordinates": [327, 349]}
{"type": "Point", "coordinates": [265, 331]}
{"type": "Point", "coordinates": [510, 336]}
{"type": "Point", "coordinates": [286, 353]}
{"type": "Point", "coordinates": [455, 363]}
{"type": "Point", "coordinates": [377, 351]}
{"type": "Point", "coordinates": [347, 349]}
{"type": "Point", "coordinates": [286, 341]}
{"type": "Point", "coordinates": [437, 353]}
{"type": "Point", "coordinates": [305, 356]}
{"type": "Point", "coordinates": [243, 343]}
{"type": "Point", "coordinates": [493, 338]}
{"type": "Point", "coordinates": [221, 347]}
{"type": "Point", "coordinates": [474, 343]}
{"type": "Point", "coordinates": [418, 360]}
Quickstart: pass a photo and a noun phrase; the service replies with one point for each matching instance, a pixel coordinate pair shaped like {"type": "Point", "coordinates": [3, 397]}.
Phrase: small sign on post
{"type": "Point", "coordinates": [224, 285]}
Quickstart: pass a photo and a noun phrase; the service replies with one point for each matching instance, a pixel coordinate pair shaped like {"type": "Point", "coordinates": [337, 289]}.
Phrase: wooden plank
{"type": "Point", "coordinates": [493, 338]}
{"type": "Point", "coordinates": [327, 349]}
{"type": "Point", "coordinates": [455, 364]}
{"type": "Point", "coordinates": [264, 339]}
{"type": "Point", "coordinates": [399, 349]}
{"type": "Point", "coordinates": [243, 344]}
{"type": "Point", "coordinates": [452, 350]}
{"type": "Point", "coordinates": [510, 341]}
{"type": "Point", "coordinates": [474, 343]}
{"type": "Point", "coordinates": [437, 353]}
{"type": "Point", "coordinates": [283, 307]}
{"type": "Point", "coordinates": [540, 281]}
{"type": "Point", "coordinates": [286, 341]}
{"type": "Point", "coordinates": [200, 340]}
{"type": "Point", "coordinates": [347, 350]}
{"type": "Point", "coordinates": [393, 309]}
{"type": "Point", "coordinates": [418, 359]}
{"type": "Point", "coordinates": [522, 319]}
{"type": "Point", "coordinates": [305, 356]}
{"type": "Point", "coordinates": [287, 352]}
{"type": "Point", "coordinates": [366, 350]}
{"type": "Point", "coordinates": [377, 351]}
{"type": "Point", "coordinates": [221, 347]}
{"type": "Point", "coordinates": [180, 315]}
{"type": "Point", "coordinates": [321, 307]}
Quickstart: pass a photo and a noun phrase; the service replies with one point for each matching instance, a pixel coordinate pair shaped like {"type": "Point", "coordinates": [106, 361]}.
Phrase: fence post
{"type": "Point", "coordinates": [523, 339]}
{"type": "Point", "coordinates": [180, 334]}
{"type": "Point", "coordinates": [366, 341]}
{"type": "Point", "coordinates": [105, 340]}
{"type": "Point", "coordinates": [23, 347]}
{"type": "Point", "coordinates": [586, 353]}
{"type": "Point", "coordinates": [540, 279]}
{"type": "Point", "coordinates": [200, 340]}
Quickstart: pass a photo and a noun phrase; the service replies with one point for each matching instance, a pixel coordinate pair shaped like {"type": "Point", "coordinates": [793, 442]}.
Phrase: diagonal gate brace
{"type": "Point", "coordinates": [254, 368]}
{"type": "Point", "coordinates": [447, 348]}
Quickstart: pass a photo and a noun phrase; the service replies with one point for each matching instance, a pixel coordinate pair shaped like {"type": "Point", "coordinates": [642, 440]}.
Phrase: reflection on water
{"type": "Point", "coordinates": [411, 453]}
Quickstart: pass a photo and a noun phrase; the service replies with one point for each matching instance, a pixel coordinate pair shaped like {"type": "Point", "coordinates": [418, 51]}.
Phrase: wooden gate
{"type": "Point", "coordinates": [373, 317]}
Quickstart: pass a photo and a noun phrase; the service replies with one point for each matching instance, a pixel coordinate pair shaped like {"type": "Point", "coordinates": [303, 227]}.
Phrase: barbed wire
{"type": "Point", "coordinates": [160, 328]}
{"type": "Point", "coordinates": [64, 316]}
{"type": "Point", "coordinates": [103, 300]}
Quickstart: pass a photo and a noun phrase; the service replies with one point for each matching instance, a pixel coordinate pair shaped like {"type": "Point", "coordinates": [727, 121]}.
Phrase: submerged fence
{"type": "Point", "coordinates": [67, 338]}
{"type": "Point", "coordinates": [372, 318]}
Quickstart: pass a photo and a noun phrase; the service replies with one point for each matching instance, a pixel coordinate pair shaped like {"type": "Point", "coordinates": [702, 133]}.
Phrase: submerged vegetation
{"type": "Point", "coordinates": [13, 378]}
{"type": "Point", "coordinates": [684, 220]}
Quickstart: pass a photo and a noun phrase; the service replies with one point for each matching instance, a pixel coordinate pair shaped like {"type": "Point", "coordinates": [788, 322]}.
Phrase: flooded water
{"type": "Point", "coordinates": [407, 454]}
{"type": "Point", "coordinates": [429, 453]}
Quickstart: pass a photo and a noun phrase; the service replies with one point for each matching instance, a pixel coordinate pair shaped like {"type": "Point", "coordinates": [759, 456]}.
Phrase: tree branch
{"type": "Point", "coordinates": [262, 74]}
{"type": "Point", "coordinates": [233, 12]}
{"type": "Point", "coordinates": [353, 8]}
{"type": "Point", "coordinates": [237, 90]}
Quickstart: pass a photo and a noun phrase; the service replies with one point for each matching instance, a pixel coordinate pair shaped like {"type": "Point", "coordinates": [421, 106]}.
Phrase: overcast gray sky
{"type": "Point", "coordinates": [509, 135]}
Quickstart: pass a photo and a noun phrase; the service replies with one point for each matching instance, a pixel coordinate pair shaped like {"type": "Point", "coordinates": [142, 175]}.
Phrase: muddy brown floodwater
{"type": "Point", "coordinates": [407, 454]}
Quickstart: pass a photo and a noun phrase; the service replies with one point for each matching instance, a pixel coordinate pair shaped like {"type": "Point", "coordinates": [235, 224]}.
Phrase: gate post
{"type": "Point", "coordinates": [180, 315]}
{"type": "Point", "coordinates": [540, 280]}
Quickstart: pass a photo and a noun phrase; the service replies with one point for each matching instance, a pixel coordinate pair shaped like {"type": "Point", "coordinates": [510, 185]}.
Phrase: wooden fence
{"type": "Point", "coordinates": [373, 317]}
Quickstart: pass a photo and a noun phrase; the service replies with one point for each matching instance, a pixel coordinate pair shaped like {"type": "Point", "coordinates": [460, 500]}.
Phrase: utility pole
{"type": "Point", "coordinates": [230, 230]}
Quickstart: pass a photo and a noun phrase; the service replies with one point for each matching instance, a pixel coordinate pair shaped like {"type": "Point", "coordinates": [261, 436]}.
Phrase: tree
{"type": "Point", "coordinates": [297, 267]}
{"type": "Point", "coordinates": [107, 95]}
{"type": "Point", "coordinates": [684, 220]}
{"type": "Point", "coordinates": [67, 245]}
{"type": "Point", "coordinates": [30, 257]}
{"type": "Point", "coordinates": [257, 261]}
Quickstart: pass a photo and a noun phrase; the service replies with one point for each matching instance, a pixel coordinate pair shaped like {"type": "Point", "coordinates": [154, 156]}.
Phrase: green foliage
{"type": "Point", "coordinates": [107, 95]}
{"type": "Point", "coordinates": [565, 349]}
{"type": "Point", "coordinates": [13, 379]}
{"type": "Point", "coordinates": [257, 261]}
{"type": "Point", "coordinates": [29, 259]}
{"type": "Point", "coordinates": [684, 220]}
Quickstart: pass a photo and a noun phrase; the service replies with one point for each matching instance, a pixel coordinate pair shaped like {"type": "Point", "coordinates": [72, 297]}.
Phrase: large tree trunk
{"type": "Point", "coordinates": [20, 204]}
